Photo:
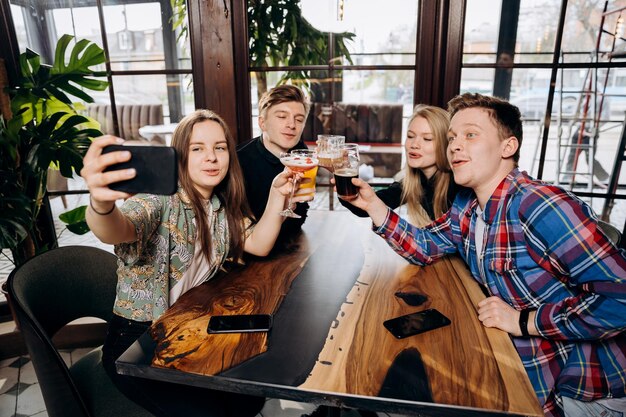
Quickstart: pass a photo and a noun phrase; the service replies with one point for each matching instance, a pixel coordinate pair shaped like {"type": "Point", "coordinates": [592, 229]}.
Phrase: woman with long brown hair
{"type": "Point", "coordinates": [167, 245]}
{"type": "Point", "coordinates": [427, 187]}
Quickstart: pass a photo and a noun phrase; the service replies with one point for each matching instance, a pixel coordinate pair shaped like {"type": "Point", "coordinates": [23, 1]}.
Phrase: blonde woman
{"type": "Point", "coordinates": [427, 188]}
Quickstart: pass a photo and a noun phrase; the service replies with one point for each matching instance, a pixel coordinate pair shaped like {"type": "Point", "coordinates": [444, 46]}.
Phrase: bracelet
{"type": "Point", "coordinates": [97, 212]}
{"type": "Point", "coordinates": [523, 322]}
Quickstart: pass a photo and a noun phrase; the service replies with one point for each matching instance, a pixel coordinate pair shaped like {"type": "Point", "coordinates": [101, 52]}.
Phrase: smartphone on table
{"type": "Point", "coordinates": [242, 323]}
{"type": "Point", "coordinates": [156, 167]}
{"type": "Point", "coordinates": [415, 323]}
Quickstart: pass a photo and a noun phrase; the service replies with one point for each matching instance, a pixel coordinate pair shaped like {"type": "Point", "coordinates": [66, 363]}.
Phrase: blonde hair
{"type": "Point", "coordinates": [412, 188]}
{"type": "Point", "coordinates": [230, 190]}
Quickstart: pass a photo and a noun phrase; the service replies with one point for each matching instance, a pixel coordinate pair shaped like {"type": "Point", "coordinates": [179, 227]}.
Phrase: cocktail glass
{"type": "Point", "coordinates": [299, 160]}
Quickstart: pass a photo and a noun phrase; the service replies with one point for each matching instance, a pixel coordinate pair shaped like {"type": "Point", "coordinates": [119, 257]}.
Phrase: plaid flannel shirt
{"type": "Point", "coordinates": [543, 250]}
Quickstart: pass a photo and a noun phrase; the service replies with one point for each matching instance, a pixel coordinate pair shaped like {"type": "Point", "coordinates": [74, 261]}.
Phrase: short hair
{"type": "Point", "coordinates": [506, 116]}
{"type": "Point", "coordinates": [282, 94]}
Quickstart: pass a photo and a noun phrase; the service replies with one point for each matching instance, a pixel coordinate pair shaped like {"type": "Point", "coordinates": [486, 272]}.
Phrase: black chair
{"type": "Point", "coordinates": [46, 293]}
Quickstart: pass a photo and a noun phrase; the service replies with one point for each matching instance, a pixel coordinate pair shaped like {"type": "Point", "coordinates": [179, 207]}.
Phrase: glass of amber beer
{"type": "Point", "coordinates": [328, 149]}
{"type": "Point", "coordinates": [345, 168]}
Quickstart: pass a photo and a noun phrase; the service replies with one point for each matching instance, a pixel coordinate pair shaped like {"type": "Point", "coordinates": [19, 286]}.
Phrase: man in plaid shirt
{"type": "Point", "coordinates": [557, 284]}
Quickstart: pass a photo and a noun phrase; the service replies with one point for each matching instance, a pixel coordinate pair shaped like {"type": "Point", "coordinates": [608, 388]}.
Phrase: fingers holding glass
{"type": "Point", "coordinates": [304, 161]}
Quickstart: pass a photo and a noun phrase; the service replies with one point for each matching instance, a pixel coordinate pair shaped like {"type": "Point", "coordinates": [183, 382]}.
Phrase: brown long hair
{"type": "Point", "coordinates": [412, 188]}
{"type": "Point", "coordinates": [230, 191]}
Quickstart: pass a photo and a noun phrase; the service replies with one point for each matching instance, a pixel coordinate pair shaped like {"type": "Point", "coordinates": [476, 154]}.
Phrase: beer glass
{"type": "Point", "coordinates": [328, 149]}
{"type": "Point", "coordinates": [298, 160]}
{"type": "Point", "coordinates": [345, 168]}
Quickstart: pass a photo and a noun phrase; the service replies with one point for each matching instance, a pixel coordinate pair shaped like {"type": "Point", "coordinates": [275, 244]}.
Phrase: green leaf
{"type": "Point", "coordinates": [79, 228]}
{"type": "Point", "coordinates": [74, 215]}
{"type": "Point", "coordinates": [45, 130]}
{"type": "Point", "coordinates": [75, 220]}
{"type": "Point", "coordinates": [59, 53]}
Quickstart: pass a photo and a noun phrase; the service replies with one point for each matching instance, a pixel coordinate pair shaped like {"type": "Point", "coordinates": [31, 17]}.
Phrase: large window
{"type": "Point", "coordinates": [359, 67]}
{"type": "Point", "coordinates": [148, 68]}
{"type": "Point", "coordinates": [563, 60]}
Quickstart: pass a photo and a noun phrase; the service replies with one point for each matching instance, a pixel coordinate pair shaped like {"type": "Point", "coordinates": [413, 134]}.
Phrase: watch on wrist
{"type": "Point", "coordinates": [523, 322]}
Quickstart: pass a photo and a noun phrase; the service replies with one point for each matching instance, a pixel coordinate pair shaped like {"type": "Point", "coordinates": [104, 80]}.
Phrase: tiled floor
{"type": "Point", "coordinates": [20, 395]}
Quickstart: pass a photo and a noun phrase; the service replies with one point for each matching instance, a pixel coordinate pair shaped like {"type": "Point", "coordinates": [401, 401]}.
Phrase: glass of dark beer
{"type": "Point", "coordinates": [346, 168]}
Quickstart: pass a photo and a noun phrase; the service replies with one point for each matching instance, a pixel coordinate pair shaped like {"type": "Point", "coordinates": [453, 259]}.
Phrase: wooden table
{"type": "Point", "coordinates": [330, 291]}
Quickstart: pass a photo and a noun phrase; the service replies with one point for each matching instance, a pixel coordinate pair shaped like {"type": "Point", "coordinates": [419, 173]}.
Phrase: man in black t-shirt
{"type": "Point", "coordinates": [282, 114]}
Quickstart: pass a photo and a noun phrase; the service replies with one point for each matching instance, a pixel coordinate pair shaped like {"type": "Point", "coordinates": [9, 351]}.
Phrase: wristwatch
{"type": "Point", "coordinates": [523, 322]}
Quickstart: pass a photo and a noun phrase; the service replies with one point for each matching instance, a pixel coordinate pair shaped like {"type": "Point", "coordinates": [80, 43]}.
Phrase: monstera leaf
{"type": "Point", "coordinates": [63, 144]}
{"type": "Point", "coordinates": [45, 131]}
{"type": "Point", "coordinates": [75, 220]}
{"type": "Point", "coordinates": [40, 83]}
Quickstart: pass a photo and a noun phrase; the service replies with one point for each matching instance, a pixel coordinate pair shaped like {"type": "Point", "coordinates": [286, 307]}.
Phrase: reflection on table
{"type": "Point", "coordinates": [330, 291]}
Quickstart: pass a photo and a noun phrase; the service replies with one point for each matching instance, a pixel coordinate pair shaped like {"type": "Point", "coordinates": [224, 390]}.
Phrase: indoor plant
{"type": "Point", "coordinates": [41, 129]}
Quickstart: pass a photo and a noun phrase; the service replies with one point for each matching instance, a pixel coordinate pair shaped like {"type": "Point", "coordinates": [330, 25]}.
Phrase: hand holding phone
{"type": "Point", "coordinates": [243, 323]}
{"type": "Point", "coordinates": [415, 323]}
{"type": "Point", "coordinates": [156, 168]}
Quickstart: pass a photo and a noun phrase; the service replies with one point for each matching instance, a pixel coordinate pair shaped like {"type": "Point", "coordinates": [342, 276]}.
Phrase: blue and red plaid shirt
{"type": "Point", "coordinates": [543, 250]}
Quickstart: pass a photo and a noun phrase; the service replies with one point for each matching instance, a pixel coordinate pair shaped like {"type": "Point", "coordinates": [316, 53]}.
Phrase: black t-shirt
{"type": "Point", "coordinates": [260, 167]}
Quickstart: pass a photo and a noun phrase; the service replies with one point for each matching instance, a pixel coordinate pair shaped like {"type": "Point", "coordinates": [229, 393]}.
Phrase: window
{"type": "Point", "coordinates": [148, 67]}
{"type": "Point", "coordinates": [511, 49]}
{"type": "Point", "coordinates": [356, 66]}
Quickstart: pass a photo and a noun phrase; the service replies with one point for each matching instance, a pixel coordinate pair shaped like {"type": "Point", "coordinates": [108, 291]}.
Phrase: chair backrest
{"type": "Point", "coordinates": [49, 291]}
{"type": "Point", "coordinates": [611, 232]}
{"type": "Point", "coordinates": [130, 118]}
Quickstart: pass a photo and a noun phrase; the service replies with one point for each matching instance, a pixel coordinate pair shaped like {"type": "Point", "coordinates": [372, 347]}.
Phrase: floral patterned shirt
{"type": "Point", "coordinates": [166, 234]}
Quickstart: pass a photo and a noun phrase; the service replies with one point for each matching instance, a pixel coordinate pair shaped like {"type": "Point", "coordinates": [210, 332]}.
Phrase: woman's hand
{"type": "Point", "coordinates": [94, 164]}
{"type": "Point", "coordinates": [495, 312]}
{"type": "Point", "coordinates": [283, 184]}
{"type": "Point", "coordinates": [107, 223]}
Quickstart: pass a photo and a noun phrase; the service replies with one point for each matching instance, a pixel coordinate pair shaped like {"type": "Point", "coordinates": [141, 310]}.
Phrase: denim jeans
{"type": "Point", "coordinates": [169, 399]}
{"type": "Point", "coordinates": [575, 408]}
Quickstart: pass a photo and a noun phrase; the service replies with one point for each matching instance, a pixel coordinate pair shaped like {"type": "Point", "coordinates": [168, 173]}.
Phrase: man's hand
{"type": "Point", "coordinates": [494, 312]}
{"type": "Point", "coordinates": [369, 201]}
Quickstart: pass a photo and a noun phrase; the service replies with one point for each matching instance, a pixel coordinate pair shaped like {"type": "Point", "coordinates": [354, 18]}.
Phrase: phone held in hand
{"type": "Point", "coordinates": [156, 167]}
{"type": "Point", "coordinates": [415, 323]}
{"type": "Point", "coordinates": [243, 323]}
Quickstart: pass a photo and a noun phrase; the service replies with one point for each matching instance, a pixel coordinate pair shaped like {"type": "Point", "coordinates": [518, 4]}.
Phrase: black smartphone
{"type": "Point", "coordinates": [156, 167]}
{"type": "Point", "coordinates": [416, 323]}
{"type": "Point", "coordinates": [243, 323]}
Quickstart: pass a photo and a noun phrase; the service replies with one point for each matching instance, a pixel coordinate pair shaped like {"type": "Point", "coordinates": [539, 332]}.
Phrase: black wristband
{"type": "Point", "coordinates": [523, 322]}
{"type": "Point", "coordinates": [97, 212]}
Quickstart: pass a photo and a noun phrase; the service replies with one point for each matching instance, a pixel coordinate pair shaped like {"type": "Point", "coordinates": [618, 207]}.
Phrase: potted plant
{"type": "Point", "coordinates": [278, 35]}
{"type": "Point", "coordinates": [43, 129]}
